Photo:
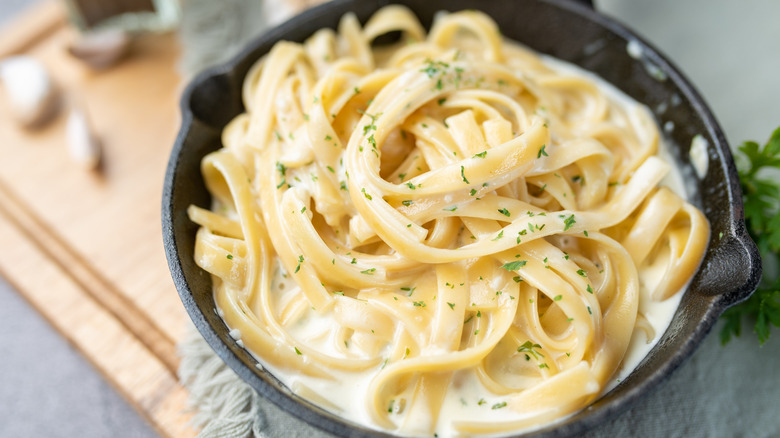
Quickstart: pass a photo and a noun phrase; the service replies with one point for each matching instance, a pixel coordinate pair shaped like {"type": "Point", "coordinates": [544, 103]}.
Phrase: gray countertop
{"type": "Point", "coordinates": [730, 50]}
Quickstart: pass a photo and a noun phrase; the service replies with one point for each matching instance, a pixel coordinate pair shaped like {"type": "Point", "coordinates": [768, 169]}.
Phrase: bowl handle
{"type": "Point", "coordinates": [733, 270]}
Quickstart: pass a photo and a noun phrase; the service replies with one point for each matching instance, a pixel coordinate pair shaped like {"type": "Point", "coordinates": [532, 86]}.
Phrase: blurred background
{"type": "Point", "coordinates": [729, 50]}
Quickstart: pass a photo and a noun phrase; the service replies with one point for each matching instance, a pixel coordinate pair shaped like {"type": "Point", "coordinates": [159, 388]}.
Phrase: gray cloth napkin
{"type": "Point", "coordinates": [720, 392]}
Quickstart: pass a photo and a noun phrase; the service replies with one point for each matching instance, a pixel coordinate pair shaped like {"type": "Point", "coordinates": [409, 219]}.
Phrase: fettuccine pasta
{"type": "Point", "coordinates": [449, 234]}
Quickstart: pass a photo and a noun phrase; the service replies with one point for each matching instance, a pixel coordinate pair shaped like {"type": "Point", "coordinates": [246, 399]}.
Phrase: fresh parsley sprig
{"type": "Point", "coordinates": [761, 196]}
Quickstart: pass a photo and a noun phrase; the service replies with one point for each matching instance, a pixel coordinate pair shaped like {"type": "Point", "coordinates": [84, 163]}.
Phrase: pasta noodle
{"type": "Point", "coordinates": [449, 222]}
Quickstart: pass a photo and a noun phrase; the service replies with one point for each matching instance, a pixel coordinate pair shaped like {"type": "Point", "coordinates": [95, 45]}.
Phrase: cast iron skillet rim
{"type": "Point", "coordinates": [324, 420]}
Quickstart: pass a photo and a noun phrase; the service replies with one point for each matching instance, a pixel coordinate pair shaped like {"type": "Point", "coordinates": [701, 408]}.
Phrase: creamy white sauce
{"type": "Point", "coordinates": [467, 399]}
{"type": "Point", "coordinates": [698, 154]}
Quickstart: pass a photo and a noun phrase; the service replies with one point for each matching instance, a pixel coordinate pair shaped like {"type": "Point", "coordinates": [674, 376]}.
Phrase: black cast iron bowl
{"type": "Point", "coordinates": [564, 29]}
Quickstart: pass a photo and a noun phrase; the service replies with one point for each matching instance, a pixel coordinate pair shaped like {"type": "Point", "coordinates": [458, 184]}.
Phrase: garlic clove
{"type": "Point", "coordinates": [83, 146]}
{"type": "Point", "coordinates": [32, 94]}
{"type": "Point", "coordinates": [101, 49]}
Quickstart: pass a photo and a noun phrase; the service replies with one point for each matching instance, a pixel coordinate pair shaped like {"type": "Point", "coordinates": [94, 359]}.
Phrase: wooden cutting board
{"type": "Point", "coordinates": [84, 247]}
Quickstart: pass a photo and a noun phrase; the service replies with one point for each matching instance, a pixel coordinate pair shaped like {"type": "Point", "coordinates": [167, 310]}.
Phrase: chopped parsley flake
{"type": "Point", "coordinates": [514, 266]}
{"type": "Point", "coordinates": [558, 298]}
{"type": "Point", "coordinates": [480, 155]}
{"type": "Point", "coordinates": [407, 202]}
{"type": "Point", "coordinates": [499, 405]}
{"type": "Point", "coordinates": [452, 305]}
{"type": "Point", "coordinates": [369, 271]}
{"type": "Point", "coordinates": [582, 273]}
{"type": "Point", "coordinates": [504, 211]}
{"type": "Point", "coordinates": [297, 351]}
{"type": "Point", "coordinates": [432, 68]}
{"type": "Point", "coordinates": [529, 348]}
{"type": "Point", "coordinates": [463, 175]}
{"type": "Point", "coordinates": [542, 152]}
{"type": "Point", "coordinates": [568, 222]}
{"type": "Point", "coordinates": [366, 194]}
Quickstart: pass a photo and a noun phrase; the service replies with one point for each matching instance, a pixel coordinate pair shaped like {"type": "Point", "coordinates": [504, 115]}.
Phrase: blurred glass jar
{"type": "Point", "coordinates": [132, 16]}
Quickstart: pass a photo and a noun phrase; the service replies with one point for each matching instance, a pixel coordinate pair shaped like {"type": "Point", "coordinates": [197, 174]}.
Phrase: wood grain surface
{"type": "Point", "coordinates": [85, 247]}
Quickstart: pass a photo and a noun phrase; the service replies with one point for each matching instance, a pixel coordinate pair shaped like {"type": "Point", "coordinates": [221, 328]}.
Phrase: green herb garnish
{"type": "Point", "coordinates": [514, 266]}
{"type": "Point", "coordinates": [761, 196]}
{"type": "Point", "coordinates": [529, 348]}
{"type": "Point", "coordinates": [568, 222]}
